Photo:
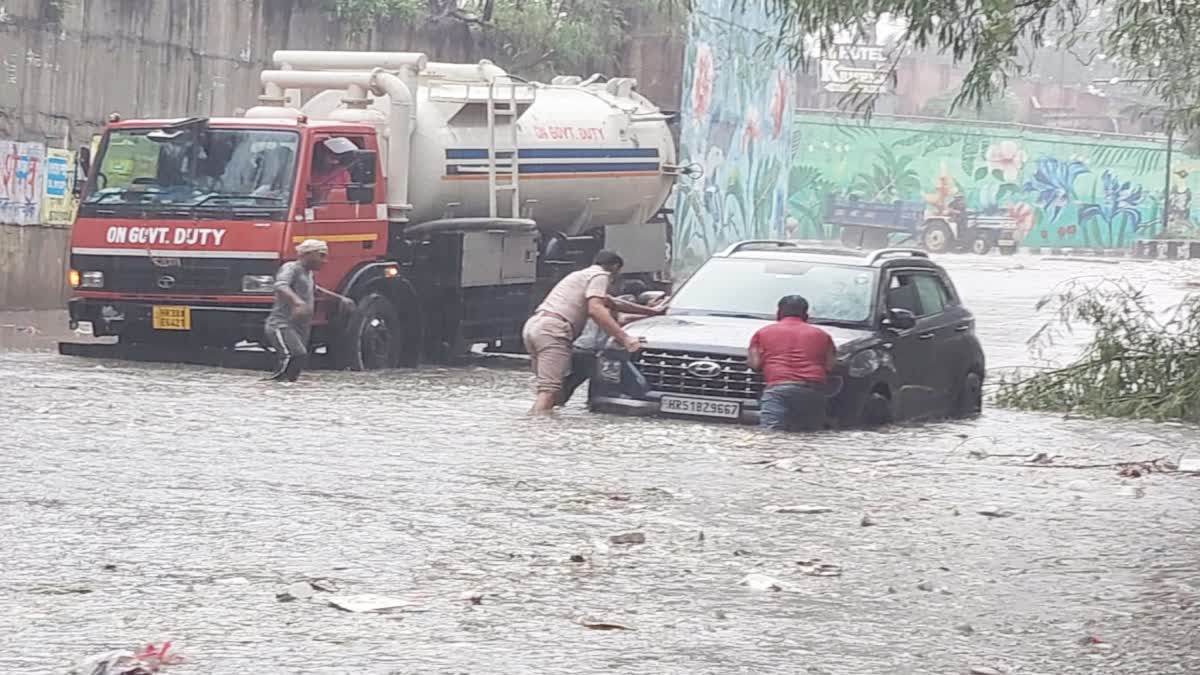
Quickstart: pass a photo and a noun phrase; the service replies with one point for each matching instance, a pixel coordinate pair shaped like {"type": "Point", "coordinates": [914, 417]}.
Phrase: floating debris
{"type": "Point", "coordinates": [367, 602]}
{"type": "Point", "coordinates": [761, 582]}
{"type": "Point", "coordinates": [628, 538]}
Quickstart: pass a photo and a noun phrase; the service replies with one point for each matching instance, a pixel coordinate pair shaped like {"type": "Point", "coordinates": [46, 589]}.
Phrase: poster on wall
{"type": "Point", "coordinates": [22, 180]}
{"type": "Point", "coordinates": [58, 207]}
{"type": "Point", "coordinates": [736, 122]}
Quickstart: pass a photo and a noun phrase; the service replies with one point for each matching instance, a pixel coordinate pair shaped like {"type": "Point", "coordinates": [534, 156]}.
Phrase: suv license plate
{"type": "Point", "coordinates": [682, 405]}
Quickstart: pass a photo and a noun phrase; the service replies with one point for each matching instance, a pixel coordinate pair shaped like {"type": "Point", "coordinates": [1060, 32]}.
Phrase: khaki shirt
{"type": "Point", "coordinates": [569, 297]}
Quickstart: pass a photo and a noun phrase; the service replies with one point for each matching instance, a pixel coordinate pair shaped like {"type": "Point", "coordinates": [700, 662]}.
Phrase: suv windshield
{"type": "Point", "coordinates": [195, 167]}
{"type": "Point", "coordinates": [744, 286]}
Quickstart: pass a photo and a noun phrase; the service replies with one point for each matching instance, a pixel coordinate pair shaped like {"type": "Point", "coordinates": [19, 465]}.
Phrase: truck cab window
{"type": "Point", "coordinates": [329, 173]}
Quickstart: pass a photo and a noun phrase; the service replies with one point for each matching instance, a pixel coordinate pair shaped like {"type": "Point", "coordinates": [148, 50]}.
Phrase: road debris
{"type": "Point", "coordinates": [628, 538]}
{"type": "Point", "coordinates": [148, 661]}
{"type": "Point", "coordinates": [761, 582]}
{"type": "Point", "coordinates": [594, 624]}
{"type": "Point", "coordinates": [867, 521]}
{"type": "Point", "coordinates": [367, 602]}
{"type": "Point", "coordinates": [995, 513]}
{"type": "Point", "coordinates": [984, 670]}
{"type": "Point", "coordinates": [805, 510]}
{"type": "Point", "coordinates": [926, 586]}
{"type": "Point", "coordinates": [815, 568]}
{"type": "Point", "coordinates": [576, 558]}
{"type": "Point", "coordinates": [965, 629]}
{"type": "Point", "coordinates": [471, 597]}
{"type": "Point", "coordinates": [301, 590]}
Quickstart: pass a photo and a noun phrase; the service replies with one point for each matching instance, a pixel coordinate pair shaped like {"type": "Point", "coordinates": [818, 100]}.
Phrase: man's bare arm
{"type": "Point", "coordinates": [599, 312]}
{"type": "Point", "coordinates": [754, 359]}
{"type": "Point", "coordinates": [331, 294]}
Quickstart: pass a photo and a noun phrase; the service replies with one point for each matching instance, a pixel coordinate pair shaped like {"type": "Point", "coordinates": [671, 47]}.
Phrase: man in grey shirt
{"type": "Point", "coordinates": [290, 321]}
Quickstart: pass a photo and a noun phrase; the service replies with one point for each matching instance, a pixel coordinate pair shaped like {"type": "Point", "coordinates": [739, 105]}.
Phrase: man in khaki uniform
{"type": "Point", "coordinates": [561, 317]}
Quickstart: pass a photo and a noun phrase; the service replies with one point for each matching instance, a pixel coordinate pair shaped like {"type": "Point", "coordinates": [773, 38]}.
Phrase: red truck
{"type": "Point", "coordinates": [182, 223]}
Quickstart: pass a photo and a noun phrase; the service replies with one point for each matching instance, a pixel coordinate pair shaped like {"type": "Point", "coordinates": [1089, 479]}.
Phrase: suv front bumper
{"type": "Point", "coordinates": [650, 406]}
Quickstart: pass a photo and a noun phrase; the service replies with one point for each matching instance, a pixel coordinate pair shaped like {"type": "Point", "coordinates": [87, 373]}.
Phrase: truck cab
{"type": "Point", "coordinates": [182, 224]}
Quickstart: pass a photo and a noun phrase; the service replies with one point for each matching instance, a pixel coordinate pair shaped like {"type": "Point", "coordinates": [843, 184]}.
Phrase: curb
{"type": "Point", "coordinates": [1080, 252]}
{"type": "Point", "coordinates": [1166, 249]}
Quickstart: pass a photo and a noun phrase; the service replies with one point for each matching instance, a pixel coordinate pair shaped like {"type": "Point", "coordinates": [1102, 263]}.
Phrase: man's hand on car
{"type": "Point", "coordinates": [631, 343]}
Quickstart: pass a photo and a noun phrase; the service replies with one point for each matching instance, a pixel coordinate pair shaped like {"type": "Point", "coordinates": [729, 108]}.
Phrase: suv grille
{"type": "Point", "coordinates": [670, 371]}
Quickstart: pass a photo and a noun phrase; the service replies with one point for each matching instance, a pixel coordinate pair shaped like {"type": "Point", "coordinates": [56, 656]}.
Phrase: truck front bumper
{"type": "Point", "coordinates": [213, 325]}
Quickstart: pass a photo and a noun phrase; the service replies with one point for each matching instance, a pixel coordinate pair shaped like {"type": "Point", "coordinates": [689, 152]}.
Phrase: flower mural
{"type": "Point", "coordinates": [1078, 192]}
{"type": "Point", "coordinates": [736, 125]}
{"type": "Point", "coordinates": [702, 81]}
{"type": "Point", "coordinates": [1118, 211]}
{"type": "Point", "coordinates": [1007, 157]}
{"type": "Point", "coordinates": [1054, 184]}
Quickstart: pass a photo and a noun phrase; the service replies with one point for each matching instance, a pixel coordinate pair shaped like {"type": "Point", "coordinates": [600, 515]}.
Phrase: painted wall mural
{"type": "Point", "coordinates": [736, 126]}
{"type": "Point", "coordinates": [1062, 189]}
{"type": "Point", "coordinates": [22, 181]}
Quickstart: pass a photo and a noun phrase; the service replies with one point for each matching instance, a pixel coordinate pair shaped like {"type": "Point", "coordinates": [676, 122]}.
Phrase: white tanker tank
{"type": "Point", "coordinates": [591, 153]}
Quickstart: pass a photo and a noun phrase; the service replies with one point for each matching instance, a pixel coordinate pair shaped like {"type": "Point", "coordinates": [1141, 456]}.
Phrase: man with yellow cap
{"type": "Point", "coordinates": [288, 324]}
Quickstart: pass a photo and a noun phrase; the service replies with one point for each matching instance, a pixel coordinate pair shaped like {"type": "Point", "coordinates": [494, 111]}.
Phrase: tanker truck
{"type": "Point", "coordinates": [452, 197]}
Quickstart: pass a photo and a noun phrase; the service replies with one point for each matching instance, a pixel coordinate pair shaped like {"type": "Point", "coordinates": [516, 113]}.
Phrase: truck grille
{"type": "Point", "coordinates": [667, 371]}
{"type": "Point", "coordinates": [136, 274]}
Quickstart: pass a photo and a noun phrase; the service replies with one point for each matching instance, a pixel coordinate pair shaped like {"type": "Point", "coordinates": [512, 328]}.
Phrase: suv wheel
{"type": "Point", "coordinates": [969, 402]}
{"type": "Point", "coordinates": [876, 411]}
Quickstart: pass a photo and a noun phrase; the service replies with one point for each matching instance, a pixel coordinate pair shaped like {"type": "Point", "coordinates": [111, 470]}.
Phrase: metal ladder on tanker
{"type": "Point", "coordinates": [511, 187]}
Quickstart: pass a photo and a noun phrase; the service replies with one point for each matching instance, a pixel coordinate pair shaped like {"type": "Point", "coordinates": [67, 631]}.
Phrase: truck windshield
{"type": "Point", "coordinates": [752, 288]}
{"type": "Point", "coordinates": [197, 167]}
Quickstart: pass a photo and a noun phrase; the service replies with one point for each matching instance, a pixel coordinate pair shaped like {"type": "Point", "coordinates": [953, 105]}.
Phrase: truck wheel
{"type": "Point", "coordinates": [936, 237]}
{"type": "Point", "coordinates": [374, 336]}
{"type": "Point", "coordinates": [981, 244]}
{"type": "Point", "coordinates": [851, 237]}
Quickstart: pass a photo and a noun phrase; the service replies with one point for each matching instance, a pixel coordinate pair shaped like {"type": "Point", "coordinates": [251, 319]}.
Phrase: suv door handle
{"type": "Point", "coordinates": [963, 328]}
{"type": "Point", "coordinates": [925, 336]}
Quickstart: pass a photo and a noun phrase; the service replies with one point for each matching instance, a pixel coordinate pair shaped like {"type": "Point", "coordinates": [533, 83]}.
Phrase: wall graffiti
{"type": "Point", "coordinates": [736, 122]}
{"type": "Point", "coordinates": [1062, 189]}
{"type": "Point", "coordinates": [22, 180]}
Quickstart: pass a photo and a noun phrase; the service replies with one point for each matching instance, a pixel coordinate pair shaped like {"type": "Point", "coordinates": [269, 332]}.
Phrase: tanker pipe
{"type": "Point", "coordinates": [470, 225]}
{"type": "Point", "coordinates": [484, 70]}
{"type": "Point", "coordinates": [321, 60]}
{"type": "Point", "coordinates": [399, 121]}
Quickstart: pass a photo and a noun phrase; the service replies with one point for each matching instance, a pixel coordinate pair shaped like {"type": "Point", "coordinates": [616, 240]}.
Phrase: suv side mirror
{"type": "Point", "coordinates": [899, 319]}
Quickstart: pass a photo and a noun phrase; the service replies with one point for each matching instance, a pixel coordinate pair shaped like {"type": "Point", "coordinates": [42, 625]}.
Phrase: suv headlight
{"type": "Point", "coordinates": [91, 280]}
{"type": "Point", "coordinates": [864, 363]}
{"type": "Point", "coordinates": [608, 369]}
{"type": "Point", "coordinates": [258, 283]}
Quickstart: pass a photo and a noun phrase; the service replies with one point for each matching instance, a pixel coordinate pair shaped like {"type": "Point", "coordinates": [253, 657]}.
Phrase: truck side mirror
{"type": "Point", "coordinates": [83, 165]}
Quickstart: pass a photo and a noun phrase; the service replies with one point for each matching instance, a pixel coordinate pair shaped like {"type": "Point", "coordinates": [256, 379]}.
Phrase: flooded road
{"type": "Point", "coordinates": [143, 503]}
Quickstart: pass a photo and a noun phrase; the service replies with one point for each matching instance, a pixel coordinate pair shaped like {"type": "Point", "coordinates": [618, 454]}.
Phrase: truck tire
{"type": "Point", "coordinates": [851, 237]}
{"type": "Point", "coordinates": [373, 337]}
{"type": "Point", "coordinates": [981, 244]}
{"type": "Point", "coordinates": [936, 237]}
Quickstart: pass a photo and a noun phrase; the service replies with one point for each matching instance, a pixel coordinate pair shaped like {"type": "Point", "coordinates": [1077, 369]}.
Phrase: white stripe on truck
{"type": "Point", "coordinates": [144, 253]}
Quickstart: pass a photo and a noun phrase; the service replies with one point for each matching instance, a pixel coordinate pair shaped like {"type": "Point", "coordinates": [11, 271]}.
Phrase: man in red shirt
{"type": "Point", "coordinates": [794, 357]}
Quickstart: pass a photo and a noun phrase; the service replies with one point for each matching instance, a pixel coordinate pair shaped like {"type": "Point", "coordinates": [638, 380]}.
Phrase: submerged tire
{"type": "Point", "coordinates": [374, 336]}
{"type": "Point", "coordinates": [851, 237]}
{"type": "Point", "coordinates": [969, 401]}
{"type": "Point", "coordinates": [876, 410]}
{"type": "Point", "coordinates": [981, 244]}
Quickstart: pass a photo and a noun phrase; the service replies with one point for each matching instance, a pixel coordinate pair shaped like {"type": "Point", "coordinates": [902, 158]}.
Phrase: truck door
{"type": "Point", "coordinates": [344, 204]}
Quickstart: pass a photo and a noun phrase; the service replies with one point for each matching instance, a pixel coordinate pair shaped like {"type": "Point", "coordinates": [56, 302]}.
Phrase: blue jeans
{"type": "Point", "coordinates": [794, 406]}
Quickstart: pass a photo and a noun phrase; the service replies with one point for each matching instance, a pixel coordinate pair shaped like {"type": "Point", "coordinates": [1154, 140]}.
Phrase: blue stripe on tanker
{"type": "Point", "coordinates": [555, 153]}
{"type": "Point", "coordinates": [457, 170]}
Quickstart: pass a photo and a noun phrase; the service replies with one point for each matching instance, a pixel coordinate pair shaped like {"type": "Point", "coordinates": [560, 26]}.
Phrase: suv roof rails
{"type": "Point", "coordinates": [882, 253]}
{"type": "Point", "coordinates": [758, 243]}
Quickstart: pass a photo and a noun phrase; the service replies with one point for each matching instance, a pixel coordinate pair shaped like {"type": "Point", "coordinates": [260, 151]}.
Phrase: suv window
{"type": "Point", "coordinates": [922, 293]}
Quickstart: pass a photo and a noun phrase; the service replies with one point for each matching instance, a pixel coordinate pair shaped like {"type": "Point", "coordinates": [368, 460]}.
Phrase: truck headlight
{"type": "Point", "coordinates": [258, 283]}
{"type": "Point", "coordinates": [864, 363]}
{"type": "Point", "coordinates": [91, 280]}
{"type": "Point", "coordinates": [608, 369]}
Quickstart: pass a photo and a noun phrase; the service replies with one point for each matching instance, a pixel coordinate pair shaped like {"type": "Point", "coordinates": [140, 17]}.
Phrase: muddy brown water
{"type": "Point", "coordinates": [142, 503]}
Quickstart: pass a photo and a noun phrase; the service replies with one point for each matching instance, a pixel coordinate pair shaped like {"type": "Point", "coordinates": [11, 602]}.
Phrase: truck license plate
{"type": "Point", "coordinates": [171, 317]}
{"type": "Point", "coordinates": [683, 405]}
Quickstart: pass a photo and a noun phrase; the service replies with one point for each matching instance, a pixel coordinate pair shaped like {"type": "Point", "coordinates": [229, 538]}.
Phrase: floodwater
{"type": "Point", "coordinates": [142, 503]}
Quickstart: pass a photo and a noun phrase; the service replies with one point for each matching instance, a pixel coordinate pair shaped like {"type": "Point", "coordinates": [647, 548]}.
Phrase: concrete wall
{"type": "Point", "coordinates": [60, 76]}
{"type": "Point", "coordinates": [32, 266]}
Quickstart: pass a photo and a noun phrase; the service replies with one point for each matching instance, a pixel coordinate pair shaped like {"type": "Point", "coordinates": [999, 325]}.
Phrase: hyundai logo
{"type": "Point", "coordinates": [705, 369]}
{"type": "Point", "coordinates": [166, 282]}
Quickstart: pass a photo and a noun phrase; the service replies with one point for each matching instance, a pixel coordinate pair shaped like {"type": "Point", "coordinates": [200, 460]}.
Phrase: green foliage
{"type": "Point", "coordinates": [1139, 362]}
{"type": "Point", "coordinates": [1150, 41]}
{"type": "Point", "coordinates": [891, 177]}
{"type": "Point", "coordinates": [533, 38]}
